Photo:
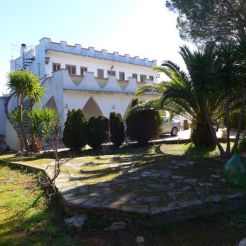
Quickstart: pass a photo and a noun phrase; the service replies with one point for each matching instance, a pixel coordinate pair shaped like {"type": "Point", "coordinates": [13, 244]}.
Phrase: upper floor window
{"type": "Point", "coordinates": [56, 67]}
{"type": "Point", "coordinates": [71, 69]}
{"type": "Point", "coordinates": [134, 75]}
{"type": "Point", "coordinates": [111, 72]}
{"type": "Point", "coordinates": [142, 78]}
{"type": "Point", "coordinates": [121, 75]}
{"type": "Point", "coordinates": [151, 78]}
{"type": "Point", "coordinates": [100, 73]}
{"type": "Point", "coordinates": [83, 70]}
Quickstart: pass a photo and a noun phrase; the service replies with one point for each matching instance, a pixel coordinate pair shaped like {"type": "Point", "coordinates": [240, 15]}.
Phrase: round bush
{"type": "Point", "coordinates": [117, 129]}
{"type": "Point", "coordinates": [143, 124]}
{"type": "Point", "coordinates": [75, 131]}
{"type": "Point", "coordinates": [98, 128]}
{"type": "Point", "coordinates": [234, 117]}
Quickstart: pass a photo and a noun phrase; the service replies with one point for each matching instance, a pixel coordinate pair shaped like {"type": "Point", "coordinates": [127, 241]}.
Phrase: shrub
{"type": "Point", "coordinates": [234, 117]}
{"type": "Point", "coordinates": [97, 131]}
{"type": "Point", "coordinates": [117, 129]}
{"type": "Point", "coordinates": [242, 145]}
{"type": "Point", "coordinates": [143, 124]}
{"type": "Point", "coordinates": [75, 131]}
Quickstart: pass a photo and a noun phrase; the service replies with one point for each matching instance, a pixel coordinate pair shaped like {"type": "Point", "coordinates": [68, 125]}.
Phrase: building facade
{"type": "Point", "coordinates": [98, 82]}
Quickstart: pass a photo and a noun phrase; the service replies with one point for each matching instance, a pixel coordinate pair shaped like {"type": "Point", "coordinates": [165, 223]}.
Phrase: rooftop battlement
{"type": "Point", "coordinates": [92, 52]}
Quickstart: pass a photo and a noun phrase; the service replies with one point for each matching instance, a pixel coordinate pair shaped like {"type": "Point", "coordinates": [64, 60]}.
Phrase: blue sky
{"type": "Point", "coordinates": [136, 27]}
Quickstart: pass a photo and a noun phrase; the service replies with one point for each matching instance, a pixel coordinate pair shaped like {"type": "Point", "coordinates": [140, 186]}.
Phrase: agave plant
{"type": "Point", "coordinates": [41, 123]}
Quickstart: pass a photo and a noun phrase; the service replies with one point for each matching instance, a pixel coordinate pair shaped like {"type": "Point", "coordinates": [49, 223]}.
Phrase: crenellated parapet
{"type": "Point", "coordinates": [92, 52]}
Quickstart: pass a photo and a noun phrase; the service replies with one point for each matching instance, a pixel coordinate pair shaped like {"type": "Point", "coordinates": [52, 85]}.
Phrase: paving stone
{"type": "Point", "coordinates": [185, 188]}
{"type": "Point", "coordinates": [134, 178]}
{"type": "Point", "coordinates": [92, 203]}
{"type": "Point", "coordinates": [163, 209]}
{"type": "Point", "coordinates": [70, 196]}
{"type": "Point", "coordinates": [235, 195]}
{"type": "Point", "coordinates": [215, 176]}
{"type": "Point", "coordinates": [135, 208]}
{"type": "Point", "coordinates": [174, 194]}
{"type": "Point", "coordinates": [148, 199]}
{"type": "Point", "coordinates": [158, 187]}
{"type": "Point", "coordinates": [146, 174]}
{"type": "Point", "coordinates": [190, 181]}
{"type": "Point", "coordinates": [104, 184]}
{"type": "Point", "coordinates": [79, 201]}
{"type": "Point", "coordinates": [189, 203]}
{"type": "Point", "coordinates": [206, 184]}
{"type": "Point", "coordinates": [214, 198]}
{"type": "Point", "coordinates": [83, 189]}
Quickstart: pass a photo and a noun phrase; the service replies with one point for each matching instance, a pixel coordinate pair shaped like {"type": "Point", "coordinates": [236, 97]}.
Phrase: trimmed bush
{"type": "Point", "coordinates": [75, 131]}
{"type": "Point", "coordinates": [234, 117]}
{"type": "Point", "coordinates": [117, 129]}
{"type": "Point", "coordinates": [97, 131]}
{"type": "Point", "coordinates": [242, 145]}
{"type": "Point", "coordinates": [143, 124]}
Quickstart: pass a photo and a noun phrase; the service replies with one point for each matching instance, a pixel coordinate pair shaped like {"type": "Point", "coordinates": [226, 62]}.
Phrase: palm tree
{"type": "Point", "coordinates": [190, 93]}
{"type": "Point", "coordinates": [24, 85]}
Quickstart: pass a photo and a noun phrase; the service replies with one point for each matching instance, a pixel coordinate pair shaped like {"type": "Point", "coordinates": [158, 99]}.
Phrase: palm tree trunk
{"type": "Point", "coordinates": [228, 126]}
{"type": "Point", "coordinates": [222, 152]}
{"type": "Point", "coordinates": [22, 128]}
{"type": "Point", "coordinates": [240, 120]}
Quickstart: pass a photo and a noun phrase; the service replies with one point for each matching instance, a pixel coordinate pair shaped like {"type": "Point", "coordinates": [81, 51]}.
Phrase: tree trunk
{"type": "Point", "coordinates": [240, 120]}
{"type": "Point", "coordinates": [222, 152]}
{"type": "Point", "coordinates": [22, 129]}
{"type": "Point", "coordinates": [228, 127]}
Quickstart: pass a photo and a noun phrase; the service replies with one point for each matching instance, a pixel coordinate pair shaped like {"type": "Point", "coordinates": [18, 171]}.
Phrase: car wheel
{"type": "Point", "coordinates": [174, 131]}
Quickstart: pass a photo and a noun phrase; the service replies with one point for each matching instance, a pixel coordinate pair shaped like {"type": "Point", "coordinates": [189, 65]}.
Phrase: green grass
{"type": "Point", "coordinates": [26, 217]}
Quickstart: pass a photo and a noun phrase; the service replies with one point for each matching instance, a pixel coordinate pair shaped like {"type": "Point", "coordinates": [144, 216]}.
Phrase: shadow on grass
{"type": "Point", "coordinates": [45, 225]}
{"type": "Point", "coordinates": [198, 151]}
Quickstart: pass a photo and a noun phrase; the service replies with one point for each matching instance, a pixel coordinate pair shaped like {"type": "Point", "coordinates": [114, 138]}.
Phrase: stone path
{"type": "Point", "coordinates": [174, 189]}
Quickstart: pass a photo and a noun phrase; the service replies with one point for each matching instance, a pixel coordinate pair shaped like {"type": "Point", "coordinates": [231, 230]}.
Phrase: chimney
{"type": "Point", "coordinates": [22, 54]}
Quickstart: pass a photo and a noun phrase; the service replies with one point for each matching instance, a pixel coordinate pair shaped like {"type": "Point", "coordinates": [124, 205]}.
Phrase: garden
{"type": "Point", "coordinates": [111, 184]}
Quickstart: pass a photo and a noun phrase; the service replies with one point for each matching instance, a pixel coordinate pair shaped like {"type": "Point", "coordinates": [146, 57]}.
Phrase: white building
{"type": "Point", "coordinates": [98, 82]}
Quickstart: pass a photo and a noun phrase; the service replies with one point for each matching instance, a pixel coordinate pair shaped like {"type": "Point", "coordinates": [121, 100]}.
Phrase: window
{"type": "Point", "coordinates": [100, 73]}
{"type": "Point", "coordinates": [121, 75]}
{"type": "Point", "coordinates": [71, 69]}
{"type": "Point", "coordinates": [83, 70]}
{"type": "Point", "coordinates": [56, 67]}
{"type": "Point", "coordinates": [111, 72]}
{"type": "Point", "coordinates": [142, 78]}
{"type": "Point", "coordinates": [134, 75]}
{"type": "Point", "coordinates": [151, 78]}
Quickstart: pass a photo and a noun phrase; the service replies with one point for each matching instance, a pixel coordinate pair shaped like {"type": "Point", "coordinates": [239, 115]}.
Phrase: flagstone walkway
{"type": "Point", "coordinates": [157, 189]}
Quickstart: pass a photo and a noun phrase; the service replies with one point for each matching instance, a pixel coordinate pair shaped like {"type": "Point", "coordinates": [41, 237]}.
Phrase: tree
{"type": "Point", "coordinates": [42, 122]}
{"type": "Point", "coordinates": [98, 131]}
{"type": "Point", "coordinates": [143, 124]}
{"type": "Point", "coordinates": [24, 85]}
{"type": "Point", "coordinates": [189, 93]}
{"type": "Point", "coordinates": [117, 129]}
{"type": "Point", "coordinates": [75, 130]}
{"type": "Point", "coordinates": [209, 20]}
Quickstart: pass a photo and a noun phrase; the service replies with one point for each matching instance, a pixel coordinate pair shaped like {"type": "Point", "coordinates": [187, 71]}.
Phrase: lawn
{"type": "Point", "coordinates": [27, 218]}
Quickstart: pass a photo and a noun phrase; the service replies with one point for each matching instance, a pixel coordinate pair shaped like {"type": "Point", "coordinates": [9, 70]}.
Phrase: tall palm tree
{"type": "Point", "coordinates": [24, 85]}
{"type": "Point", "coordinates": [190, 93]}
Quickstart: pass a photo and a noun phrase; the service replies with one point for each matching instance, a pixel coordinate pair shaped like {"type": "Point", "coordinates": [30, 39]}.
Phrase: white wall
{"type": "Point", "coordinates": [93, 64]}
{"type": "Point", "coordinates": [108, 102]}
{"type": "Point", "coordinates": [2, 116]}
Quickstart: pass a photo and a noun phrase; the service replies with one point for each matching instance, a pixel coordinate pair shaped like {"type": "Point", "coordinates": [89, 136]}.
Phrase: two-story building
{"type": "Point", "coordinates": [98, 82]}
